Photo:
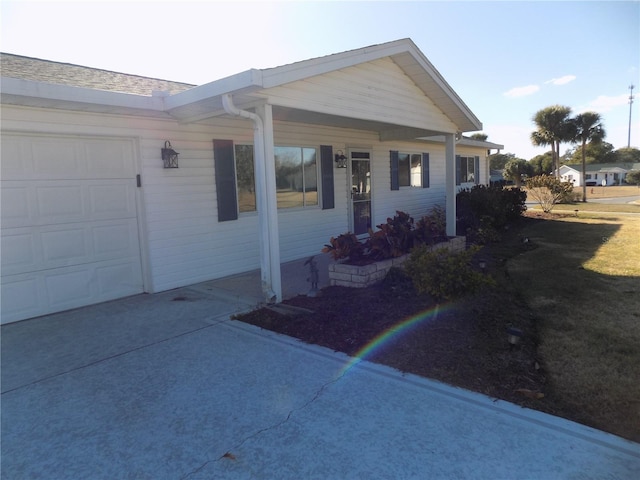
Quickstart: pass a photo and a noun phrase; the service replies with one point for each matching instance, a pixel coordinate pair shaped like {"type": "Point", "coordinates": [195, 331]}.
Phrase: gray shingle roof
{"type": "Point", "coordinates": [35, 69]}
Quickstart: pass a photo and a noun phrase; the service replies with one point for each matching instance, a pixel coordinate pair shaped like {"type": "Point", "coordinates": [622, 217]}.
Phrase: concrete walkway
{"type": "Point", "coordinates": [166, 386]}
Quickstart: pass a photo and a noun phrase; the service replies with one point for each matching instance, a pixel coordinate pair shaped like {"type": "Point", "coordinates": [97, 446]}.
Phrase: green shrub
{"type": "Point", "coordinates": [443, 274]}
{"type": "Point", "coordinates": [432, 228]}
{"type": "Point", "coordinates": [487, 207]}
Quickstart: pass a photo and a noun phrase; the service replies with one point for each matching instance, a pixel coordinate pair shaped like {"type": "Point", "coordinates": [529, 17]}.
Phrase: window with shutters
{"type": "Point", "coordinates": [467, 169]}
{"type": "Point", "coordinates": [296, 177]}
{"type": "Point", "coordinates": [409, 169]}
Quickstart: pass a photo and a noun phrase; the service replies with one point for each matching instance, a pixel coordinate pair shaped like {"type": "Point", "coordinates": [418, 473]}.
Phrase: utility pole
{"type": "Point", "coordinates": [631, 87]}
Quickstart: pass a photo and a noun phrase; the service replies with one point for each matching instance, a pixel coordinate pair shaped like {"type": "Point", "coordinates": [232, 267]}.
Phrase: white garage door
{"type": "Point", "coordinates": [69, 223]}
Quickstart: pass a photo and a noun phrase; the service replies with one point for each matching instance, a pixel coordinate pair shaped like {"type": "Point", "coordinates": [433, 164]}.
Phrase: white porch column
{"type": "Point", "coordinates": [450, 182]}
{"type": "Point", "coordinates": [268, 214]}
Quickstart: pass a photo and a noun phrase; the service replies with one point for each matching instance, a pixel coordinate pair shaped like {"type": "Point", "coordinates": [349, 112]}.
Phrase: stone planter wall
{"type": "Point", "coordinates": [343, 275]}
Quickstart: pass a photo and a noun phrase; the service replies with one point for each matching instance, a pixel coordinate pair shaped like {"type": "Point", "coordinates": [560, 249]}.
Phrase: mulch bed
{"type": "Point", "coordinates": [464, 344]}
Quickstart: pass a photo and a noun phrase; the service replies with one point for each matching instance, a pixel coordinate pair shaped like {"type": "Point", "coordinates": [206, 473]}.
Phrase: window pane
{"type": "Point", "coordinates": [471, 170]}
{"type": "Point", "coordinates": [416, 170]}
{"type": "Point", "coordinates": [404, 173]}
{"type": "Point", "coordinates": [289, 179]}
{"type": "Point", "coordinates": [463, 169]}
{"type": "Point", "coordinates": [245, 178]}
{"type": "Point", "coordinates": [310, 176]}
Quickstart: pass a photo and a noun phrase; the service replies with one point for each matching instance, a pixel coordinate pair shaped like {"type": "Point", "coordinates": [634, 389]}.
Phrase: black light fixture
{"type": "Point", "coordinates": [341, 160]}
{"type": "Point", "coordinates": [169, 156]}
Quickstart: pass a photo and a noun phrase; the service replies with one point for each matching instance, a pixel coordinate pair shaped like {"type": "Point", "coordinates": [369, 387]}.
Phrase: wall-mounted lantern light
{"type": "Point", "coordinates": [169, 156]}
{"type": "Point", "coordinates": [341, 160]}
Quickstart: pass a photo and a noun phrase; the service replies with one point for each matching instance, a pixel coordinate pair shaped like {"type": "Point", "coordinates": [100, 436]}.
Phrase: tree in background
{"type": "Point", "coordinates": [588, 128]}
{"type": "Point", "coordinates": [554, 128]}
{"type": "Point", "coordinates": [633, 177]}
{"type": "Point", "coordinates": [516, 169]}
{"type": "Point", "coordinates": [601, 152]}
{"type": "Point", "coordinates": [542, 164]}
{"type": "Point", "coordinates": [479, 136]}
{"type": "Point", "coordinates": [627, 155]}
{"type": "Point", "coordinates": [497, 161]}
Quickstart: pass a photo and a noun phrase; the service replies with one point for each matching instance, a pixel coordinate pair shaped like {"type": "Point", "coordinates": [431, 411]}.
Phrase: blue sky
{"type": "Point", "coordinates": [506, 60]}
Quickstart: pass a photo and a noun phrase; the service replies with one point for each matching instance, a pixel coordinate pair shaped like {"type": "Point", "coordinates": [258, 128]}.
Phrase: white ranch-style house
{"type": "Point", "coordinates": [600, 174]}
{"type": "Point", "coordinates": [271, 164]}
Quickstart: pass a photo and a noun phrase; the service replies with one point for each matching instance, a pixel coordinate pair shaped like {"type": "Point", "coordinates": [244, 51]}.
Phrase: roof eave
{"type": "Point", "coordinates": [26, 92]}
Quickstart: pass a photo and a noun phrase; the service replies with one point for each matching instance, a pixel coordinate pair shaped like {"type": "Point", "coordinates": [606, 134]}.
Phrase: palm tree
{"type": "Point", "coordinates": [554, 127]}
{"type": "Point", "coordinates": [588, 128]}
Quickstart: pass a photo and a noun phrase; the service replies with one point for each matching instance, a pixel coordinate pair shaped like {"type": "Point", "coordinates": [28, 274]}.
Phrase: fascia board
{"type": "Point", "coordinates": [241, 82]}
{"type": "Point", "coordinates": [273, 77]}
{"type": "Point", "coordinates": [64, 93]}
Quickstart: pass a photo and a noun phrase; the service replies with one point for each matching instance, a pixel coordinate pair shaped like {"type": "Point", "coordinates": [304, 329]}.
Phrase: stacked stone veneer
{"type": "Point", "coordinates": [343, 275]}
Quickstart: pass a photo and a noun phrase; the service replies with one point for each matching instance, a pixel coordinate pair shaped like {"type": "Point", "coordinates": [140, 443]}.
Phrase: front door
{"type": "Point", "coordinates": [360, 163]}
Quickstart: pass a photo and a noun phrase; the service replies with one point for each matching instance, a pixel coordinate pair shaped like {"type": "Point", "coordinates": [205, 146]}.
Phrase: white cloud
{"type": "Point", "coordinates": [605, 103]}
{"type": "Point", "coordinates": [562, 80]}
{"type": "Point", "coordinates": [522, 91]}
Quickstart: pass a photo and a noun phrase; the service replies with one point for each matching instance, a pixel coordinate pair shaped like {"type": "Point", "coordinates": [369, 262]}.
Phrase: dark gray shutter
{"type": "Point", "coordinates": [326, 170]}
{"type": "Point", "coordinates": [425, 170]}
{"type": "Point", "coordinates": [458, 171]}
{"type": "Point", "coordinates": [476, 169]}
{"type": "Point", "coordinates": [225, 173]}
{"type": "Point", "coordinates": [394, 160]}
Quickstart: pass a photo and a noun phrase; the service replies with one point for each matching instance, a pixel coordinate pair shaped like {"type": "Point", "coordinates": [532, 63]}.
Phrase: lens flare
{"type": "Point", "coordinates": [391, 333]}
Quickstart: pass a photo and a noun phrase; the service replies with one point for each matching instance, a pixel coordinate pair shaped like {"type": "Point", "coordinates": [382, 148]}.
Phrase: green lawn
{"type": "Point", "coordinates": [582, 282]}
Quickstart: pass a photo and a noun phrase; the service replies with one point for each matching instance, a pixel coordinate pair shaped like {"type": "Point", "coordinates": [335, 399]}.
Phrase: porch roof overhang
{"type": "Point", "coordinates": [248, 88]}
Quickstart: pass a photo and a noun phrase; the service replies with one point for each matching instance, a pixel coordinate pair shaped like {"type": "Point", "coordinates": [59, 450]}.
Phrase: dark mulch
{"type": "Point", "coordinates": [464, 344]}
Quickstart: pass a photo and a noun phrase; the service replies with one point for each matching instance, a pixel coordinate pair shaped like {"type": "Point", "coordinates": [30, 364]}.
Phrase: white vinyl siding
{"type": "Point", "coordinates": [377, 91]}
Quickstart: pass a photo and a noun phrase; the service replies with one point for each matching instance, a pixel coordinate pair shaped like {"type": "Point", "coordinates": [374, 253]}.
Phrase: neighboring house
{"type": "Point", "coordinates": [271, 164]}
{"type": "Point", "coordinates": [597, 173]}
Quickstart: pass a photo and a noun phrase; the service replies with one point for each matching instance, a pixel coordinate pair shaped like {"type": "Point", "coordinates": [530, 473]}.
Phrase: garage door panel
{"type": "Point", "coordinates": [19, 252]}
{"type": "Point", "coordinates": [21, 298]}
{"type": "Point", "coordinates": [60, 203]}
{"type": "Point", "coordinates": [54, 202]}
{"type": "Point", "coordinates": [17, 209]}
{"type": "Point", "coordinates": [69, 223]}
{"type": "Point", "coordinates": [53, 246]}
{"type": "Point", "coordinates": [109, 159]}
{"type": "Point", "coordinates": [55, 157]}
{"type": "Point", "coordinates": [112, 200]}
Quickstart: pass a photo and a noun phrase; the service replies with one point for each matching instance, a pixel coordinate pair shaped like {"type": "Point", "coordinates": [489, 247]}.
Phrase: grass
{"type": "Point", "coordinates": [583, 285]}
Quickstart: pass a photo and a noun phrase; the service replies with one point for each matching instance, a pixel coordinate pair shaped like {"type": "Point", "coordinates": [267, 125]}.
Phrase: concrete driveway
{"type": "Point", "coordinates": [166, 386]}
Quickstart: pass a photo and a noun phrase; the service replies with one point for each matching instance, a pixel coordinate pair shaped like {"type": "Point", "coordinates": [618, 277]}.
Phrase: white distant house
{"type": "Point", "coordinates": [606, 174]}
{"type": "Point", "coordinates": [271, 163]}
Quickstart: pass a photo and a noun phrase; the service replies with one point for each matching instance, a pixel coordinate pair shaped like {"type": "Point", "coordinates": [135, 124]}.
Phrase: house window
{"type": "Point", "coordinates": [588, 176]}
{"type": "Point", "coordinates": [467, 170]}
{"type": "Point", "coordinates": [410, 169]}
{"type": "Point", "coordinates": [245, 179]}
{"type": "Point", "coordinates": [296, 177]}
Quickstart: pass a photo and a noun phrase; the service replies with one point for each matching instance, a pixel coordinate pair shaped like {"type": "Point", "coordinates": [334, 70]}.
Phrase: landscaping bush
{"type": "Point", "coordinates": [484, 210]}
{"type": "Point", "coordinates": [444, 275]}
{"type": "Point", "coordinates": [393, 239]}
{"type": "Point", "coordinates": [344, 246]}
{"type": "Point", "coordinates": [548, 191]}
